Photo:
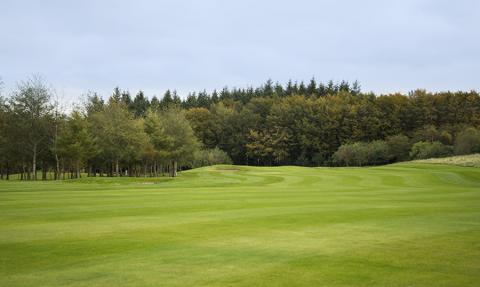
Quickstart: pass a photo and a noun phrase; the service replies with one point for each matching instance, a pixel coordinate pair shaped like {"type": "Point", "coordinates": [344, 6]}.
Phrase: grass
{"type": "Point", "coordinates": [472, 160]}
{"type": "Point", "coordinates": [400, 225]}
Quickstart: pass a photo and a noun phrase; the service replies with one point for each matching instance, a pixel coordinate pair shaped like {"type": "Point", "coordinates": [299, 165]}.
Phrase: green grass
{"type": "Point", "coordinates": [398, 225]}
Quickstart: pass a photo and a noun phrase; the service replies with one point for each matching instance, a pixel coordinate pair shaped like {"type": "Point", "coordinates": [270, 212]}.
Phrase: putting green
{"type": "Point", "coordinates": [398, 225]}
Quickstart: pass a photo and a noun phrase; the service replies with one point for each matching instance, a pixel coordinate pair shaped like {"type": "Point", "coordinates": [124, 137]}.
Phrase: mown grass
{"type": "Point", "coordinates": [399, 225]}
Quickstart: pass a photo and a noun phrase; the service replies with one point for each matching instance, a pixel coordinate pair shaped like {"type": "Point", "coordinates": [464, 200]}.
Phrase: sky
{"type": "Point", "coordinates": [94, 45]}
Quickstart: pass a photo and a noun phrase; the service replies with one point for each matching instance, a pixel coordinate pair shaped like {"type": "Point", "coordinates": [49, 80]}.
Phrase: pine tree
{"type": "Point", "coordinates": [312, 88]}
{"type": "Point", "coordinates": [140, 104]}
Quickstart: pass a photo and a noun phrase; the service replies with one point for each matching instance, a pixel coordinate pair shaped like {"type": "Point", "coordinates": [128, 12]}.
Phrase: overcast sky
{"type": "Point", "coordinates": [191, 45]}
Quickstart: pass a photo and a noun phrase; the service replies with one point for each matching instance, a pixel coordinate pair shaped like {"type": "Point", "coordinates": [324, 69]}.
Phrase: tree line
{"type": "Point", "coordinates": [313, 124]}
{"type": "Point", "coordinates": [39, 140]}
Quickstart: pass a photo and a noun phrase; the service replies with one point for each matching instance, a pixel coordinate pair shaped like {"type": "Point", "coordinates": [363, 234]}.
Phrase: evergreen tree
{"type": "Point", "coordinates": [167, 100]}
{"type": "Point", "coordinates": [116, 97]}
{"type": "Point", "coordinates": [140, 105]}
{"type": "Point", "coordinates": [126, 99]}
{"type": "Point", "coordinates": [312, 88]}
{"type": "Point", "coordinates": [155, 104]}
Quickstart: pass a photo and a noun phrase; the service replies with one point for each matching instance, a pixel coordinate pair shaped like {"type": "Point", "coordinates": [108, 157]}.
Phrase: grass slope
{"type": "Point", "coordinates": [399, 225]}
{"type": "Point", "coordinates": [472, 160]}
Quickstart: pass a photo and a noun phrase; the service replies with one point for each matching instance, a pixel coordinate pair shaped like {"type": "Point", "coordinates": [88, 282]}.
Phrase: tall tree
{"type": "Point", "coordinates": [177, 138]}
{"type": "Point", "coordinates": [117, 133]}
{"type": "Point", "coordinates": [75, 143]}
{"type": "Point", "coordinates": [32, 114]}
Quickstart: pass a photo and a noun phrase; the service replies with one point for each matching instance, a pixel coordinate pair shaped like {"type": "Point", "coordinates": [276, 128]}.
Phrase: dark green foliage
{"type": "Point", "coordinates": [424, 150]}
{"type": "Point", "coordinates": [207, 157]}
{"type": "Point", "coordinates": [467, 141]}
{"type": "Point", "coordinates": [351, 155]}
{"type": "Point", "coordinates": [117, 134]}
{"type": "Point", "coordinates": [399, 147]}
{"type": "Point", "coordinates": [94, 104]}
{"type": "Point", "coordinates": [362, 154]}
{"type": "Point", "coordinates": [76, 145]}
{"type": "Point", "coordinates": [167, 100]}
{"type": "Point", "coordinates": [378, 153]}
{"type": "Point", "coordinates": [116, 96]}
{"type": "Point", "coordinates": [155, 104]}
{"type": "Point", "coordinates": [140, 105]}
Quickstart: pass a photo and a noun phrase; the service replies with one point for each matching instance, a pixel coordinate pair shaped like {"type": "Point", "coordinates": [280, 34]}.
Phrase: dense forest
{"type": "Point", "coordinates": [313, 124]}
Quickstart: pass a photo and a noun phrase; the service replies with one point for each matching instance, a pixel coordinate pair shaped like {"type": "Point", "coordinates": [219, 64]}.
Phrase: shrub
{"type": "Point", "coordinates": [467, 142]}
{"type": "Point", "coordinates": [377, 153]}
{"type": "Point", "coordinates": [445, 138]}
{"type": "Point", "coordinates": [206, 157]}
{"type": "Point", "coordinates": [351, 154]}
{"type": "Point", "coordinates": [424, 150]}
{"type": "Point", "coordinates": [399, 147]}
{"type": "Point", "coordinates": [361, 154]}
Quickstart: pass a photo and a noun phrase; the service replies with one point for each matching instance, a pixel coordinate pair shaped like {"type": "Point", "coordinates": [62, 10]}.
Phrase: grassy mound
{"type": "Point", "coordinates": [472, 160]}
{"type": "Point", "coordinates": [400, 225]}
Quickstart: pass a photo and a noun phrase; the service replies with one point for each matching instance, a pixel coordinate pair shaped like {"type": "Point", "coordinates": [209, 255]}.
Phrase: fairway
{"type": "Point", "coordinates": [398, 225]}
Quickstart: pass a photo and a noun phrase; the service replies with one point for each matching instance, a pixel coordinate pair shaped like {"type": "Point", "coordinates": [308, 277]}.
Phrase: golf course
{"type": "Point", "coordinates": [411, 224]}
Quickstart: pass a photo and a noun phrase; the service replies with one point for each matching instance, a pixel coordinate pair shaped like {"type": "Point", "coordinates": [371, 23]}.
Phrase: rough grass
{"type": "Point", "coordinates": [472, 160]}
{"type": "Point", "coordinates": [399, 225]}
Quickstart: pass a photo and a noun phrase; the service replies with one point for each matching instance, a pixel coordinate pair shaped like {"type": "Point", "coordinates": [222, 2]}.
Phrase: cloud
{"type": "Point", "coordinates": [193, 45]}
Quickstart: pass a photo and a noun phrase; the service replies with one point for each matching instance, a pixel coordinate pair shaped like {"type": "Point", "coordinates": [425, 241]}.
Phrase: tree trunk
{"type": "Point", "coordinates": [57, 166]}
{"type": "Point", "coordinates": [173, 169]}
{"type": "Point", "coordinates": [24, 173]}
{"type": "Point", "coordinates": [44, 171]}
{"type": "Point", "coordinates": [78, 170]}
{"type": "Point", "coordinates": [117, 173]}
{"type": "Point", "coordinates": [34, 165]}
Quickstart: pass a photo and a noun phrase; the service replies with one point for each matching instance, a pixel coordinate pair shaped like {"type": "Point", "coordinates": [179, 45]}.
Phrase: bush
{"type": "Point", "coordinates": [361, 154]}
{"type": "Point", "coordinates": [424, 150]}
{"type": "Point", "coordinates": [377, 153]}
{"type": "Point", "coordinates": [207, 157]}
{"type": "Point", "coordinates": [445, 138]}
{"type": "Point", "coordinates": [351, 154]}
{"type": "Point", "coordinates": [399, 147]}
{"type": "Point", "coordinates": [467, 142]}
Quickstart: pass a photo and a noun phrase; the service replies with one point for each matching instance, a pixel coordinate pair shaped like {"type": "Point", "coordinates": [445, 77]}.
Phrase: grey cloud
{"type": "Point", "coordinates": [191, 45]}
